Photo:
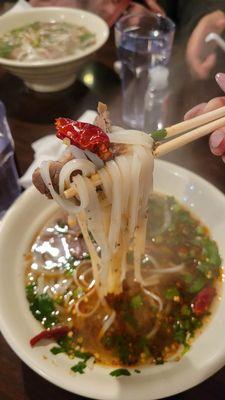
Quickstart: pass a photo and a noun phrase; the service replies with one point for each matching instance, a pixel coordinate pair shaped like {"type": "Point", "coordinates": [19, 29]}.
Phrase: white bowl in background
{"type": "Point", "coordinates": [17, 324]}
{"type": "Point", "coordinates": [58, 74]}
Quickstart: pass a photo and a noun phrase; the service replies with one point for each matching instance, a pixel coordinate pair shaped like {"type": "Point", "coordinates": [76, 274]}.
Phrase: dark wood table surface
{"type": "Point", "coordinates": [31, 116]}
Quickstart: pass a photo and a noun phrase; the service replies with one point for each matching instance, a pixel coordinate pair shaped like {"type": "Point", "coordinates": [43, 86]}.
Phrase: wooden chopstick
{"type": "Point", "coordinates": [164, 148]}
{"type": "Point", "coordinates": [188, 125]}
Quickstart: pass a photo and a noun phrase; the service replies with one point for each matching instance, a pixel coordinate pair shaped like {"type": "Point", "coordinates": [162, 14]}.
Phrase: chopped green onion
{"type": "Point", "coordinates": [79, 367]}
{"type": "Point", "coordinates": [83, 355]}
{"type": "Point", "coordinates": [160, 134]}
{"type": "Point", "coordinates": [136, 302]}
{"type": "Point", "coordinates": [120, 372]}
{"type": "Point", "coordinates": [170, 293]}
{"type": "Point", "coordinates": [197, 284]}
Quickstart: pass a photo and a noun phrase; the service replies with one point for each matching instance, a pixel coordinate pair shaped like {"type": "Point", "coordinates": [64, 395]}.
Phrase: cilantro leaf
{"type": "Point", "coordinates": [41, 306]}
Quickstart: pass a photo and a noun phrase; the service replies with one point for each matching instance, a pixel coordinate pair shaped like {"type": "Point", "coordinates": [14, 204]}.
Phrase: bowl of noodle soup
{"type": "Point", "coordinates": [50, 45]}
{"type": "Point", "coordinates": [20, 228]}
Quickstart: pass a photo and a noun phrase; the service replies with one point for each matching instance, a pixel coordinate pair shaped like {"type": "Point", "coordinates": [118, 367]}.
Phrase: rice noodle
{"type": "Point", "coordinates": [132, 137]}
{"type": "Point", "coordinates": [149, 257]}
{"type": "Point", "coordinates": [107, 322]}
{"type": "Point", "coordinates": [106, 183]}
{"type": "Point", "coordinates": [154, 297]}
{"type": "Point", "coordinates": [95, 159]}
{"type": "Point", "coordinates": [77, 153]}
{"type": "Point", "coordinates": [85, 166]}
{"type": "Point", "coordinates": [113, 219]}
{"type": "Point", "coordinates": [153, 332]}
{"type": "Point", "coordinates": [166, 222]}
{"type": "Point", "coordinates": [170, 270]}
{"type": "Point", "coordinates": [79, 277]}
{"type": "Point", "coordinates": [115, 224]}
{"type": "Point", "coordinates": [94, 309]}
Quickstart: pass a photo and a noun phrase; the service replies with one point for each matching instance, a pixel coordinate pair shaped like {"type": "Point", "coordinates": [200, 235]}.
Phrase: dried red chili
{"type": "Point", "coordinates": [203, 300]}
{"type": "Point", "coordinates": [54, 333]}
{"type": "Point", "coordinates": [85, 136]}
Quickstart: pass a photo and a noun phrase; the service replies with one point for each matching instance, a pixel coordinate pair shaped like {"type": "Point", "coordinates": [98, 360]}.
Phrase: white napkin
{"type": "Point", "coordinates": [21, 5]}
{"type": "Point", "coordinates": [48, 148]}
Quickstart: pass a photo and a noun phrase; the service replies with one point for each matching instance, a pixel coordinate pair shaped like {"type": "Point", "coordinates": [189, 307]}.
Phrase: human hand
{"type": "Point", "coordinates": [217, 138]}
{"type": "Point", "coordinates": [199, 63]}
{"type": "Point", "coordinates": [154, 7]}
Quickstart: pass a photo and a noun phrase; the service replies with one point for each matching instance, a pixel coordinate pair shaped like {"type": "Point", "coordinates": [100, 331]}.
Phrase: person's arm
{"type": "Point", "coordinates": [195, 20]}
{"type": "Point", "coordinates": [190, 12]}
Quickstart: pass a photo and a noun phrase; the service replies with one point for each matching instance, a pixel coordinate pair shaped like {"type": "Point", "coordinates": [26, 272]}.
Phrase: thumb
{"type": "Point", "coordinates": [220, 79]}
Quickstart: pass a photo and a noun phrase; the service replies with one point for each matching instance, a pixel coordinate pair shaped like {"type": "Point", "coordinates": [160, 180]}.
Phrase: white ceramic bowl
{"type": "Point", "coordinates": [53, 75]}
{"type": "Point", "coordinates": [18, 325]}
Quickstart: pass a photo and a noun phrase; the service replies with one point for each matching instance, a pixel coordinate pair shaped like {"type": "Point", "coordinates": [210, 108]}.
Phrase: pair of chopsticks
{"type": "Point", "coordinates": [189, 131]}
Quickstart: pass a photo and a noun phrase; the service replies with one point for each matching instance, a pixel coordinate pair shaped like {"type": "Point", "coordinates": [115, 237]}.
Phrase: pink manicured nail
{"type": "Point", "coordinates": [216, 139]}
{"type": "Point", "coordinates": [220, 79]}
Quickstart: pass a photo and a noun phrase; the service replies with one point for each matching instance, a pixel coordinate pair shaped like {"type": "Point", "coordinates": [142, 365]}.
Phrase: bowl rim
{"type": "Point", "coordinates": [63, 60]}
{"type": "Point", "coordinates": [212, 366]}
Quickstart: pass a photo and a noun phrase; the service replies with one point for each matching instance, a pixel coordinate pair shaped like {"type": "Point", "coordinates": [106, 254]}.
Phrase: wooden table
{"type": "Point", "coordinates": [31, 116]}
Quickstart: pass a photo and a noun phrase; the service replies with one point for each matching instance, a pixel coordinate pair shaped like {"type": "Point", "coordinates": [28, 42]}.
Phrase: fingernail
{"type": "Point", "coordinates": [216, 139]}
{"type": "Point", "coordinates": [220, 79]}
{"type": "Point", "coordinates": [223, 158]}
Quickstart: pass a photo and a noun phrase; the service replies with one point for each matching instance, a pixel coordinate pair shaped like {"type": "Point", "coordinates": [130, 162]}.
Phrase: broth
{"type": "Point", "coordinates": [44, 41]}
{"type": "Point", "coordinates": [153, 324]}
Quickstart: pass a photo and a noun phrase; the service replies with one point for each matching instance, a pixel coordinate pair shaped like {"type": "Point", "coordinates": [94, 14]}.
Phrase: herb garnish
{"type": "Point", "coordinates": [120, 372]}
{"type": "Point", "coordinates": [41, 306]}
{"type": "Point", "coordinates": [170, 293]}
{"type": "Point", "coordinates": [136, 302]}
{"type": "Point", "coordinates": [79, 367]}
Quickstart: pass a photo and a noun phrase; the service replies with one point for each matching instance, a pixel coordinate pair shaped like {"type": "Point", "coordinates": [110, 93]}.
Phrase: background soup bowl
{"type": "Point", "coordinates": [58, 74]}
{"type": "Point", "coordinates": [207, 353]}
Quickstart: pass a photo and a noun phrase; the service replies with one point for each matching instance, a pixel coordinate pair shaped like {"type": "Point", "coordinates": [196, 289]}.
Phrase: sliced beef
{"type": "Point", "coordinates": [102, 120]}
{"type": "Point", "coordinates": [55, 168]}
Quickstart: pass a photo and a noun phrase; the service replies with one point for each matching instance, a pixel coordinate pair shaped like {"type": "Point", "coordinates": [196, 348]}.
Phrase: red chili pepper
{"type": "Point", "coordinates": [85, 136]}
{"type": "Point", "coordinates": [203, 300]}
{"type": "Point", "coordinates": [54, 333]}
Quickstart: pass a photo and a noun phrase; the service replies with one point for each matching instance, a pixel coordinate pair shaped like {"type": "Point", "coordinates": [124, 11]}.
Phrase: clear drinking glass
{"type": "Point", "coordinates": [9, 184]}
{"type": "Point", "coordinates": [144, 44]}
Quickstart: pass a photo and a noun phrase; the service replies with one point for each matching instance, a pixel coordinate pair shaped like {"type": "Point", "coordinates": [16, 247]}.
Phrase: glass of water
{"type": "Point", "coordinates": [144, 44]}
{"type": "Point", "coordinates": [9, 183]}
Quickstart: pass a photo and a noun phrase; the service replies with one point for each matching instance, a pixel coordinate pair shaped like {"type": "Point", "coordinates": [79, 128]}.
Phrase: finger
{"type": "Point", "coordinates": [223, 158]}
{"type": "Point", "coordinates": [209, 62]}
{"type": "Point", "coordinates": [193, 112]}
{"type": "Point", "coordinates": [220, 79]}
{"type": "Point", "coordinates": [221, 23]}
{"type": "Point", "coordinates": [217, 142]}
{"type": "Point", "coordinates": [153, 5]}
{"type": "Point", "coordinates": [215, 103]}
{"type": "Point", "coordinates": [203, 108]}
{"type": "Point", "coordinates": [202, 69]}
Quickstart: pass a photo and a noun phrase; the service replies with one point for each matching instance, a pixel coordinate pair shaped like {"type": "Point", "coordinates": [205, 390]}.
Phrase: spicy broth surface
{"type": "Point", "coordinates": [152, 324]}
